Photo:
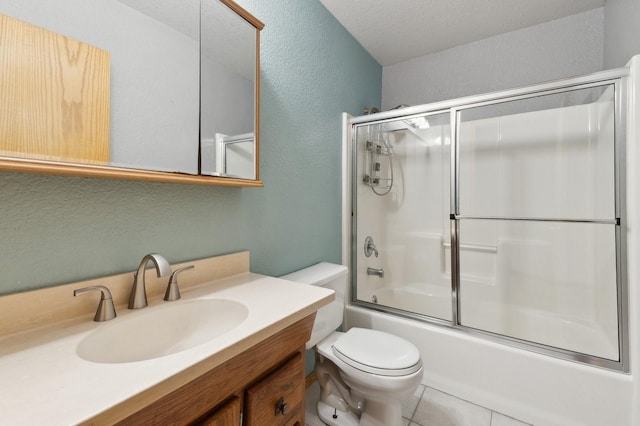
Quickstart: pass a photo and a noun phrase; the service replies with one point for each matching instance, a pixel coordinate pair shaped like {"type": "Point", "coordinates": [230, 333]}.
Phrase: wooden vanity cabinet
{"type": "Point", "coordinates": [277, 399]}
{"type": "Point", "coordinates": [266, 382]}
{"type": "Point", "coordinates": [227, 414]}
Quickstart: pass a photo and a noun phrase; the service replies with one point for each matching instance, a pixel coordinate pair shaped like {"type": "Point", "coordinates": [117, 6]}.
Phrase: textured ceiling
{"type": "Point", "coordinates": [393, 31]}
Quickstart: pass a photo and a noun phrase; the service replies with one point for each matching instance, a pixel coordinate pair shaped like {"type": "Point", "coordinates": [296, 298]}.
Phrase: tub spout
{"type": "Point", "coordinates": [374, 271]}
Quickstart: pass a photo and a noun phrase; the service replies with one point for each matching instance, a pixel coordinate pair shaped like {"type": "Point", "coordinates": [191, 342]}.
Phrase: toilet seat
{"type": "Point", "coordinates": [377, 352]}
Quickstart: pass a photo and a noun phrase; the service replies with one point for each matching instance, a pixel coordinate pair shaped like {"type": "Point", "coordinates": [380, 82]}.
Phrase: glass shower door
{"type": "Point", "coordinates": [537, 220]}
{"type": "Point", "coordinates": [401, 246]}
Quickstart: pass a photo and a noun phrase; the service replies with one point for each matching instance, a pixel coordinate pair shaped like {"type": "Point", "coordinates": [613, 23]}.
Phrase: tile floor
{"type": "Point", "coordinates": [428, 407]}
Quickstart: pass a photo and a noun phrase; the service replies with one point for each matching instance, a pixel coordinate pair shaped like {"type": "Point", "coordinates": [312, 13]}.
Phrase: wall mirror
{"type": "Point", "coordinates": [183, 88]}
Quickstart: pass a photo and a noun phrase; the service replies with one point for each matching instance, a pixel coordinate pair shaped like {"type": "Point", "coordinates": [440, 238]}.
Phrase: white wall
{"type": "Point", "coordinates": [621, 32]}
{"type": "Point", "coordinates": [562, 48]}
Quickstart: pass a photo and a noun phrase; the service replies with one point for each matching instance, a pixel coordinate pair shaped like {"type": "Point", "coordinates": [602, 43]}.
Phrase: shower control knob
{"type": "Point", "coordinates": [370, 247]}
{"type": "Point", "coordinates": [282, 407]}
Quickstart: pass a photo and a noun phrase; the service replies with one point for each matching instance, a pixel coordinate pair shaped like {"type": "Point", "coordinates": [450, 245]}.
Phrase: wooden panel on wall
{"type": "Point", "coordinates": [54, 96]}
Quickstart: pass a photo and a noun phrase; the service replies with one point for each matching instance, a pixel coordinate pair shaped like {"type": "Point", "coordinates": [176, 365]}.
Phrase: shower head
{"type": "Point", "coordinates": [410, 124]}
{"type": "Point", "coordinates": [418, 122]}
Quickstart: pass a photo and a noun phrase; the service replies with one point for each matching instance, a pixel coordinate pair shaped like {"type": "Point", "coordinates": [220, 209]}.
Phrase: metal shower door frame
{"type": "Point", "coordinates": [617, 78]}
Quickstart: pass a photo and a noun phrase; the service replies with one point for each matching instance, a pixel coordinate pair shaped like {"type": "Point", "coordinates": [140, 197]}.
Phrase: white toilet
{"type": "Point", "coordinates": [364, 375]}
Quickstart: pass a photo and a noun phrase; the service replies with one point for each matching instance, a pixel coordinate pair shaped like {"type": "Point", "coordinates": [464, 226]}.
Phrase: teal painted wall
{"type": "Point", "coordinates": [56, 230]}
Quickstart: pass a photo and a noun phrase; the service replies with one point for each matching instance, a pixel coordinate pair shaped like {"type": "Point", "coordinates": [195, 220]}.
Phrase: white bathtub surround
{"type": "Point", "coordinates": [538, 389]}
{"type": "Point", "coordinates": [531, 158]}
{"type": "Point", "coordinates": [633, 235]}
{"type": "Point", "coordinates": [426, 299]}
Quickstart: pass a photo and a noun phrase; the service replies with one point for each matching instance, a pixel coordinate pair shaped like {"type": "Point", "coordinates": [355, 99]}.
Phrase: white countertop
{"type": "Point", "coordinates": [44, 380]}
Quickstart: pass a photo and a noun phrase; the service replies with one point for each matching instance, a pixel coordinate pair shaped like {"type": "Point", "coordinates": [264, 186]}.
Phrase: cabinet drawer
{"type": "Point", "coordinates": [277, 399]}
{"type": "Point", "coordinates": [227, 414]}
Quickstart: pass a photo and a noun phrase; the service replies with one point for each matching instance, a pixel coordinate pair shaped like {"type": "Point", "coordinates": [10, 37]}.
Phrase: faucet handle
{"type": "Point", "coordinates": [106, 311]}
{"type": "Point", "coordinates": [370, 247]}
{"type": "Point", "coordinates": [173, 291]}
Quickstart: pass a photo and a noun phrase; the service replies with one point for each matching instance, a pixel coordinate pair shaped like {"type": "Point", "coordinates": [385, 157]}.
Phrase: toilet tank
{"type": "Point", "coordinates": [328, 275]}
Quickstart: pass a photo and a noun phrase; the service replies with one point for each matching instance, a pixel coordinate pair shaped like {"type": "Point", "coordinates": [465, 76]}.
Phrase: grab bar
{"type": "Point", "coordinates": [474, 247]}
{"type": "Point", "coordinates": [615, 221]}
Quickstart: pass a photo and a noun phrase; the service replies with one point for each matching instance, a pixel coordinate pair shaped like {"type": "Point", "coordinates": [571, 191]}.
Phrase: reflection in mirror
{"type": "Point", "coordinates": [154, 90]}
{"type": "Point", "coordinates": [235, 155]}
{"type": "Point", "coordinates": [228, 91]}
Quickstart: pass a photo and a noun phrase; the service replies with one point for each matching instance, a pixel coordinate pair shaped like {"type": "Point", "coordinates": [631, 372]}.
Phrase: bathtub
{"type": "Point", "coordinates": [535, 388]}
{"type": "Point", "coordinates": [516, 321]}
{"type": "Point", "coordinates": [431, 300]}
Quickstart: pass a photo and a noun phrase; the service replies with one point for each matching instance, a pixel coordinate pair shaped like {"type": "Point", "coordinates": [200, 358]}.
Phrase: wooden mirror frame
{"type": "Point", "coordinates": [96, 171]}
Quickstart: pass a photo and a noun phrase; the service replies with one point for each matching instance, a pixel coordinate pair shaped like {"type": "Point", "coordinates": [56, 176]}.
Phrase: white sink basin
{"type": "Point", "coordinates": [160, 331]}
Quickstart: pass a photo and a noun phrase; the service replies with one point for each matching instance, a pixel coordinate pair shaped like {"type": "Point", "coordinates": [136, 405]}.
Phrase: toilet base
{"type": "Point", "coordinates": [342, 418]}
{"type": "Point", "coordinates": [378, 414]}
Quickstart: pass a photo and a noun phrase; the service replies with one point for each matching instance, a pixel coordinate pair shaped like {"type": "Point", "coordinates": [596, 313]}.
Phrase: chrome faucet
{"type": "Point", "coordinates": [106, 311]}
{"type": "Point", "coordinates": [173, 291]}
{"type": "Point", "coordinates": [378, 272]}
{"type": "Point", "coordinates": [138, 296]}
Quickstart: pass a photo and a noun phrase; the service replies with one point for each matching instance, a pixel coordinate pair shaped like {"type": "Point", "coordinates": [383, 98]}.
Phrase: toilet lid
{"type": "Point", "coordinates": [377, 352]}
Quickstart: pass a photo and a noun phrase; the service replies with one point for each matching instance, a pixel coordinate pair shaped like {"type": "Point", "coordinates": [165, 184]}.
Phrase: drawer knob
{"type": "Point", "coordinates": [282, 407]}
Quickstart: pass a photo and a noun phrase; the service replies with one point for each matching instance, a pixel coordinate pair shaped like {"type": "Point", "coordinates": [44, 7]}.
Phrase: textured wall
{"type": "Point", "coordinates": [621, 32]}
{"type": "Point", "coordinates": [59, 229]}
{"type": "Point", "coordinates": [557, 49]}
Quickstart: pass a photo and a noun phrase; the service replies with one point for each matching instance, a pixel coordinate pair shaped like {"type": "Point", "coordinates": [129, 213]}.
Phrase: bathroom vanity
{"type": "Point", "coordinates": [267, 379]}
{"type": "Point", "coordinates": [253, 371]}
